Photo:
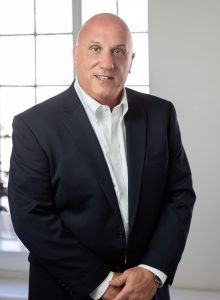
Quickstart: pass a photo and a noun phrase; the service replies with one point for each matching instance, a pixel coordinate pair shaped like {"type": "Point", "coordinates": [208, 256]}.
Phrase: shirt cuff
{"type": "Point", "coordinates": [101, 289]}
{"type": "Point", "coordinates": [160, 274]}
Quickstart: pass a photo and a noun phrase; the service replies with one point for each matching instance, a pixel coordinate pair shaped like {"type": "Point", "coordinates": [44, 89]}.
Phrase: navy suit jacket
{"type": "Point", "coordinates": [64, 207]}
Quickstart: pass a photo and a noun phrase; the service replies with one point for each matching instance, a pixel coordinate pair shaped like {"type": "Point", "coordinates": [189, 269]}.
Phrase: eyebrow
{"type": "Point", "coordinates": [116, 46]}
{"type": "Point", "coordinates": [94, 42]}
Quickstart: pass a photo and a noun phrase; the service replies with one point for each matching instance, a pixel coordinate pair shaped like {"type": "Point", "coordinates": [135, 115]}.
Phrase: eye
{"type": "Point", "coordinates": [94, 49]}
{"type": "Point", "coordinates": [119, 51]}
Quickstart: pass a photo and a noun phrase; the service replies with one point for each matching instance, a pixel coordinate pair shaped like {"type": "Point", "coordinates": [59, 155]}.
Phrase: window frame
{"type": "Point", "coordinates": [76, 24]}
{"type": "Point", "coordinates": [13, 256]}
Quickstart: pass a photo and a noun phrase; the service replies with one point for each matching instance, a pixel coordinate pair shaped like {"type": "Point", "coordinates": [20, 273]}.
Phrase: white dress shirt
{"type": "Point", "coordinates": [109, 128]}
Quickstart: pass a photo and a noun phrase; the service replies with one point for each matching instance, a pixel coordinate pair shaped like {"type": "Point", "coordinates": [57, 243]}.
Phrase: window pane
{"type": "Point", "coordinates": [46, 92]}
{"type": "Point", "coordinates": [6, 145]}
{"type": "Point", "coordinates": [12, 102]}
{"type": "Point", "coordinates": [54, 59]}
{"type": "Point", "coordinates": [16, 16]}
{"type": "Point", "coordinates": [17, 60]}
{"type": "Point", "coordinates": [135, 14]}
{"type": "Point", "coordinates": [54, 16]}
{"type": "Point", "coordinates": [140, 67]}
{"type": "Point", "coordinates": [90, 8]}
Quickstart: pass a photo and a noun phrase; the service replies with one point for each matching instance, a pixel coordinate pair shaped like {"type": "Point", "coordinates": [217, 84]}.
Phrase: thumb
{"type": "Point", "coordinates": [118, 281]}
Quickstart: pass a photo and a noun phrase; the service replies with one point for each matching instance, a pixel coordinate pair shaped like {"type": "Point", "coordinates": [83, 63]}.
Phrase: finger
{"type": "Point", "coordinates": [118, 281]}
{"type": "Point", "coordinates": [123, 295]}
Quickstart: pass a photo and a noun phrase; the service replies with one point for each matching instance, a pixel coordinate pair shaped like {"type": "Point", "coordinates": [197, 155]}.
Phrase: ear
{"type": "Point", "coordinates": [74, 55]}
{"type": "Point", "coordinates": [132, 57]}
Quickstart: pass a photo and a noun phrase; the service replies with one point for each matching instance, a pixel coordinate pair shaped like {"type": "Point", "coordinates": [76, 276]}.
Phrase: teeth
{"type": "Point", "coordinates": [103, 77]}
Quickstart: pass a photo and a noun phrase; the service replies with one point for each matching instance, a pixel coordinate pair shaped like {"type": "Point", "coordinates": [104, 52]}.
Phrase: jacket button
{"type": "Point", "coordinates": [121, 235]}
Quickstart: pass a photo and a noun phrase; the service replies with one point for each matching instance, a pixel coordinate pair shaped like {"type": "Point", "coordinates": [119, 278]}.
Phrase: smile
{"type": "Point", "coordinates": [100, 77]}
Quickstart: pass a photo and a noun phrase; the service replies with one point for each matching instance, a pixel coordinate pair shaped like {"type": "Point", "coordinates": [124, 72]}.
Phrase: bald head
{"type": "Point", "coordinates": [103, 57]}
{"type": "Point", "coordinates": [105, 19]}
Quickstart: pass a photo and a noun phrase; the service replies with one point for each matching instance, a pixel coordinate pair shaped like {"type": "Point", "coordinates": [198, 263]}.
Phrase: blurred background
{"type": "Point", "coordinates": [177, 46]}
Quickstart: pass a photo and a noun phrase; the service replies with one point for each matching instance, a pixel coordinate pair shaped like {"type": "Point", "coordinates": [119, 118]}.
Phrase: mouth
{"type": "Point", "coordinates": [103, 78]}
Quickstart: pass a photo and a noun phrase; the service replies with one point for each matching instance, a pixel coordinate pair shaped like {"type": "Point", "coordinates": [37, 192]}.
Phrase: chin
{"type": "Point", "coordinates": [103, 95]}
{"type": "Point", "coordinates": [104, 99]}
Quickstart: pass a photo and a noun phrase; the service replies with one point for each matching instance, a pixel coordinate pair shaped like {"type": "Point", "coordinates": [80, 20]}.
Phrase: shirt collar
{"type": "Point", "coordinates": [94, 105]}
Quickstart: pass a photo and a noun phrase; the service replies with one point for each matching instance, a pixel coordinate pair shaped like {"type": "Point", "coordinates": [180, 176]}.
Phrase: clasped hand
{"type": "Point", "coordinates": [134, 284]}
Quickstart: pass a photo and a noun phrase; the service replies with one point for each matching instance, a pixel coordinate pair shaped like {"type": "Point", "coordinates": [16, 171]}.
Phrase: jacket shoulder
{"type": "Point", "coordinates": [146, 101]}
{"type": "Point", "coordinates": [51, 108]}
{"type": "Point", "coordinates": [44, 108]}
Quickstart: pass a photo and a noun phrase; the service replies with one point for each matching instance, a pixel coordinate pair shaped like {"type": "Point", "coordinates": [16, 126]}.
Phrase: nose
{"type": "Point", "coordinates": [107, 61]}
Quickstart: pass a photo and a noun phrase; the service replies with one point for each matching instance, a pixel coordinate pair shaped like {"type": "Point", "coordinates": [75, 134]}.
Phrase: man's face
{"type": "Point", "coordinates": [102, 59]}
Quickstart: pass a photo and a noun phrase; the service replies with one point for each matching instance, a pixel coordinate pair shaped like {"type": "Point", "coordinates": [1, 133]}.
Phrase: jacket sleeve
{"type": "Point", "coordinates": [37, 222]}
{"type": "Point", "coordinates": [168, 241]}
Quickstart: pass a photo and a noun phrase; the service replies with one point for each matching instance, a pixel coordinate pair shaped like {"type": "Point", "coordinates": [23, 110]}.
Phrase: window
{"type": "Point", "coordinates": [36, 40]}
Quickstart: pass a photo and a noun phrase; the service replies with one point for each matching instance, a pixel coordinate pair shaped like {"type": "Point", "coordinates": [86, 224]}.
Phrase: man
{"type": "Point", "coordinates": [100, 189]}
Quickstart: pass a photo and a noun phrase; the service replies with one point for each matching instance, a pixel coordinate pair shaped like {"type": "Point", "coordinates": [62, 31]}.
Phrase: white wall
{"type": "Point", "coordinates": [184, 42]}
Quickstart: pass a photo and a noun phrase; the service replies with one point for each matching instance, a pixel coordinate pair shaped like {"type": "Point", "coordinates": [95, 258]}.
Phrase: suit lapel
{"type": "Point", "coordinates": [78, 124]}
{"type": "Point", "coordinates": [136, 136]}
